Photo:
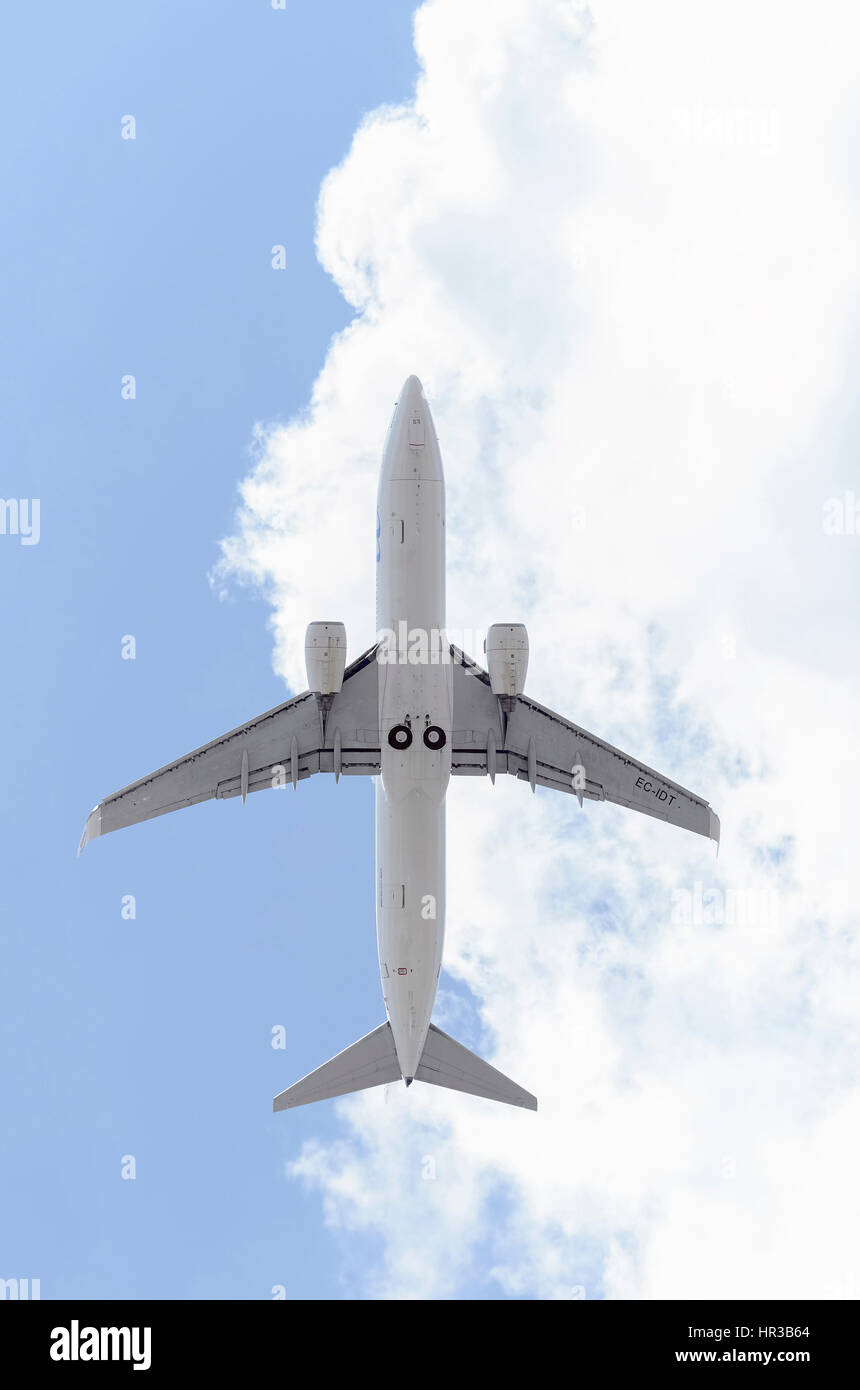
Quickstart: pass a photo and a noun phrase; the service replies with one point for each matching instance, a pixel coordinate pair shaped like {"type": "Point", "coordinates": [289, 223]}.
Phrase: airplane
{"type": "Point", "coordinates": [412, 711]}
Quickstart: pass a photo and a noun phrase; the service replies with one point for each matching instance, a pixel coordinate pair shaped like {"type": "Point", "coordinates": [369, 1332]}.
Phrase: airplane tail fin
{"type": "Point", "coordinates": [372, 1061]}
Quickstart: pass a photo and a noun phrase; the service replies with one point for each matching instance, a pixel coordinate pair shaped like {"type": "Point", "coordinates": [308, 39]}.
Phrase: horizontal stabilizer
{"type": "Point", "coordinates": [445, 1062]}
{"type": "Point", "coordinates": [372, 1061]}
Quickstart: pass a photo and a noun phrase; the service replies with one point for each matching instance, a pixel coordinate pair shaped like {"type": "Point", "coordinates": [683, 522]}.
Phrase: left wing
{"type": "Point", "coordinates": [537, 745]}
{"type": "Point", "coordinates": [285, 744]}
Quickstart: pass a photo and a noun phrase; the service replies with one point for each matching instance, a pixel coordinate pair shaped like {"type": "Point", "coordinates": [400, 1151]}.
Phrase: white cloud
{"type": "Point", "coordinates": [618, 244]}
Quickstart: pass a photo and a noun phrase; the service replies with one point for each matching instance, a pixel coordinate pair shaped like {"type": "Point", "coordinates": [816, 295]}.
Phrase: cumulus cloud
{"type": "Point", "coordinates": [618, 244]}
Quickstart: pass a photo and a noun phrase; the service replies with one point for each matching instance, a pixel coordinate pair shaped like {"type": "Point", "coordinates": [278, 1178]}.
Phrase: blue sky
{"type": "Point", "coordinates": [151, 1037]}
{"type": "Point", "coordinates": [619, 248]}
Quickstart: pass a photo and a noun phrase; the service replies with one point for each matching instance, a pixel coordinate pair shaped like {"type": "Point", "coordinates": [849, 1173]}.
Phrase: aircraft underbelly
{"type": "Point", "coordinates": [415, 721]}
{"type": "Point", "coordinates": [410, 914]}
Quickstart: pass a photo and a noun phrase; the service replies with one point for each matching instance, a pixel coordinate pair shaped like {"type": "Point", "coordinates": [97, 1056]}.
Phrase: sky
{"type": "Point", "coordinates": [618, 245]}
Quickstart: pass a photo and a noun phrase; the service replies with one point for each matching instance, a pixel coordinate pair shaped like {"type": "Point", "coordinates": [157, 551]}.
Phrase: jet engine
{"type": "Point", "coordinates": [507, 651]}
{"type": "Point", "coordinates": [325, 659]}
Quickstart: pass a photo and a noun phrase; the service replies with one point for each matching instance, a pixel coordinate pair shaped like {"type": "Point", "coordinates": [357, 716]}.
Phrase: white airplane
{"type": "Point", "coordinates": [411, 711]}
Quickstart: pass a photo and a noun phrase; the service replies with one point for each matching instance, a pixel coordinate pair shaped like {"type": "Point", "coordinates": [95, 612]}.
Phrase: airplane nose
{"type": "Point", "coordinates": [411, 392]}
{"type": "Point", "coordinates": [411, 448]}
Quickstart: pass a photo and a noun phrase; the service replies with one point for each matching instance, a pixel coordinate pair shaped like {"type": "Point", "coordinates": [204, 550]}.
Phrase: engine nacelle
{"type": "Point", "coordinates": [325, 657]}
{"type": "Point", "coordinates": [507, 650]}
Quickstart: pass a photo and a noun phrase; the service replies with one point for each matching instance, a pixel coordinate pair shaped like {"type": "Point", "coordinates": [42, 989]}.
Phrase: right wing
{"type": "Point", "coordinates": [544, 749]}
{"type": "Point", "coordinates": [285, 744]}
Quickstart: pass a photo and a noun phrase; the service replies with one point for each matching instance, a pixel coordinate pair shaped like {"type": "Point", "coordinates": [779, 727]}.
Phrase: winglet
{"type": "Point", "coordinates": [714, 829]}
{"type": "Point", "coordinates": [93, 827]}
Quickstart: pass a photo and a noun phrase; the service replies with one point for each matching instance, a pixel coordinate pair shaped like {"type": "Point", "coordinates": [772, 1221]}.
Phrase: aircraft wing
{"type": "Point", "coordinates": [283, 745]}
{"type": "Point", "coordinates": [540, 747]}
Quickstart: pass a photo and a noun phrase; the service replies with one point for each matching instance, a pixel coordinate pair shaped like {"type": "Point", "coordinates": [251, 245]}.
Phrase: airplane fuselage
{"type": "Point", "coordinates": [415, 721]}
